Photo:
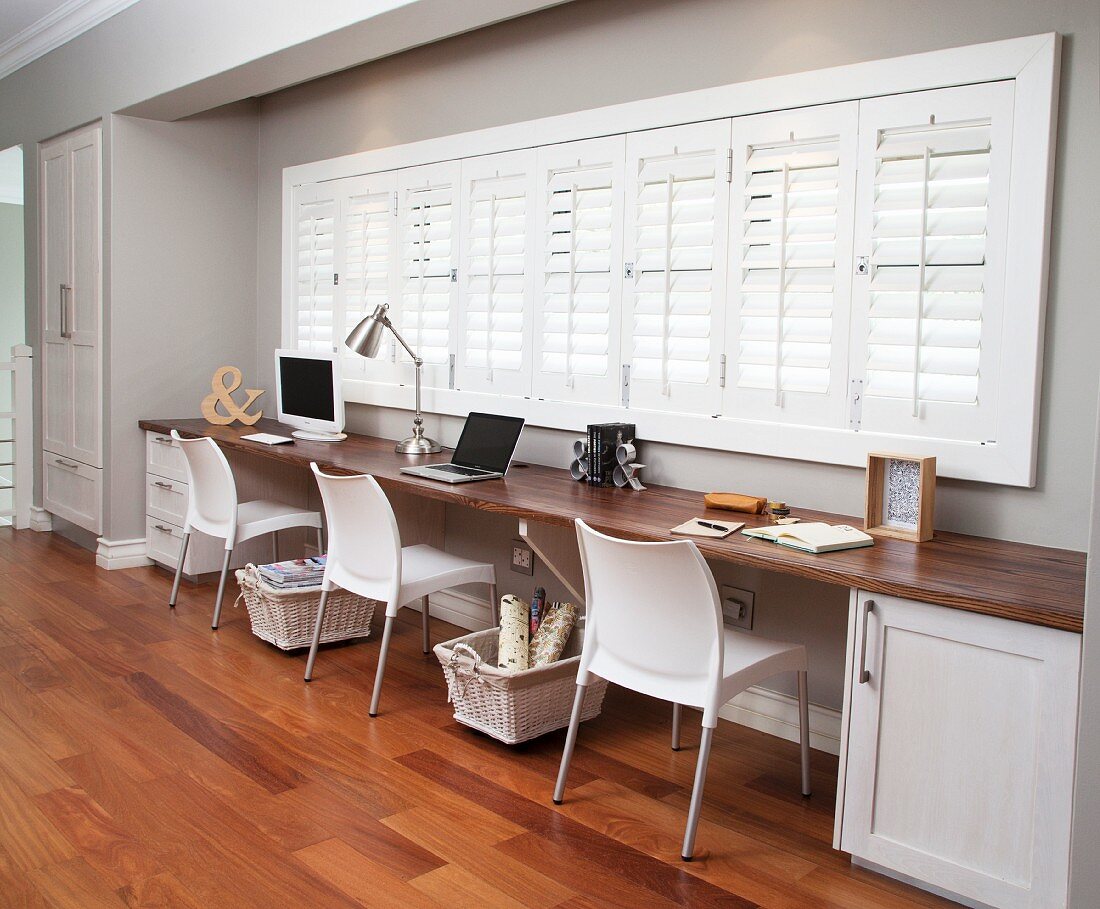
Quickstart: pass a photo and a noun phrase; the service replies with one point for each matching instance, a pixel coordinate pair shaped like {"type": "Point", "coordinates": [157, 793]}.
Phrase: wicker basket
{"type": "Point", "coordinates": [514, 706]}
{"type": "Point", "coordinates": [286, 618]}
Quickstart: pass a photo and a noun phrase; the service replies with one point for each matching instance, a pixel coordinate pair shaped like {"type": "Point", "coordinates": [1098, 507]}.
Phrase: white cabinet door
{"type": "Point", "coordinates": [960, 750]}
{"type": "Point", "coordinates": [84, 300]}
{"type": "Point", "coordinates": [56, 229]}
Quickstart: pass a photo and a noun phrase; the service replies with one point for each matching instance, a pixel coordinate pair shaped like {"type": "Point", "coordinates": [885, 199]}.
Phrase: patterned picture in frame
{"type": "Point", "coordinates": [901, 492]}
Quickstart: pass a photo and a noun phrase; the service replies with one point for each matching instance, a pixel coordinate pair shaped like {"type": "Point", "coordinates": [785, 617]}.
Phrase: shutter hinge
{"type": "Point", "coordinates": [722, 371]}
{"type": "Point", "coordinates": [855, 395]}
{"type": "Point", "coordinates": [628, 269]}
{"type": "Point", "coordinates": [336, 279]}
{"type": "Point", "coordinates": [626, 385]}
{"type": "Point", "coordinates": [451, 372]}
{"type": "Point", "coordinates": [729, 166]}
{"type": "Point", "coordinates": [454, 275]}
{"type": "Point", "coordinates": [395, 203]}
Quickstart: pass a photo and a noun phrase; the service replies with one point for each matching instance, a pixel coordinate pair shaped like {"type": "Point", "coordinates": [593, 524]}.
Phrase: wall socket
{"type": "Point", "coordinates": [737, 606]}
{"type": "Point", "coordinates": [523, 560]}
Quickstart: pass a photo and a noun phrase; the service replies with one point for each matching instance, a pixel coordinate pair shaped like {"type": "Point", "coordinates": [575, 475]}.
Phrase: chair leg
{"type": "Point", "coordinates": [316, 642]}
{"type": "Point", "coordinates": [179, 571]}
{"type": "Point", "coordinates": [221, 590]}
{"type": "Point", "coordinates": [383, 651]}
{"type": "Point", "coordinates": [697, 794]}
{"type": "Point", "coordinates": [570, 743]}
{"type": "Point", "coordinates": [494, 605]}
{"type": "Point", "coordinates": [676, 711]}
{"type": "Point", "coordinates": [425, 625]}
{"type": "Point", "coordinates": [804, 729]}
{"type": "Point", "coordinates": [320, 542]}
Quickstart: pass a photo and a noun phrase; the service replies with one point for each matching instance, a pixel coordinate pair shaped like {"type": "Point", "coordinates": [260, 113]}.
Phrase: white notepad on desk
{"type": "Point", "coordinates": [694, 528]}
{"type": "Point", "coordinates": [814, 538]}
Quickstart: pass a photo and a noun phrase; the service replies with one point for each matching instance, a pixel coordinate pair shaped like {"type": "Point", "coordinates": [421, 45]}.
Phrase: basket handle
{"type": "Point", "coordinates": [474, 672]}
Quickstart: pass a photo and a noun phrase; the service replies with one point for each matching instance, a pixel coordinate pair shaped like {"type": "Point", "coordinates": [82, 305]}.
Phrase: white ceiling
{"type": "Point", "coordinates": [17, 15]}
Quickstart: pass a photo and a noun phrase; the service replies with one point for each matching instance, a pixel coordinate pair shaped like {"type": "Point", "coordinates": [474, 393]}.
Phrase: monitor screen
{"type": "Point", "coordinates": [306, 388]}
{"type": "Point", "coordinates": [487, 441]}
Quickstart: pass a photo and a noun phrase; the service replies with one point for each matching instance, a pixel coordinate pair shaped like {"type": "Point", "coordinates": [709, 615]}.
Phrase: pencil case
{"type": "Point", "coordinates": [732, 501]}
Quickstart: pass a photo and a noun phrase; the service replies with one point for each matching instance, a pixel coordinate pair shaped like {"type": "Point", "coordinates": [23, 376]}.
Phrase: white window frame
{"type": "Point", "coordinates": [1032, 62]}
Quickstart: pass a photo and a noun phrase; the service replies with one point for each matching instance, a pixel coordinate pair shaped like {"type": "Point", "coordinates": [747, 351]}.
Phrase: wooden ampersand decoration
{"type": "Point", "coordinates": [222, 393]}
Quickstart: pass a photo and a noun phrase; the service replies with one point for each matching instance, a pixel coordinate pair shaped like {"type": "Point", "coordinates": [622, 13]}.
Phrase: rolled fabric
{"type": "Point", "coordinates": [515, 630]}
{"type": "Point", "coordinates": [553, 634]}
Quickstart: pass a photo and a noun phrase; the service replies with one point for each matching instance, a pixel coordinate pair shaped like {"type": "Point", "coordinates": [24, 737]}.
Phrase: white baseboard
{"type": "Point", "coordinates": [114, 554]}
{"type": "Point", "coordinates": [757, 708]}
{"type": "Point", "coordinates": [41, 520]}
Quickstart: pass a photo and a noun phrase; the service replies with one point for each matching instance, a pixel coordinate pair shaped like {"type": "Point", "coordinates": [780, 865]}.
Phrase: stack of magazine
{"type": "Point", "coordinates": [294, 573]}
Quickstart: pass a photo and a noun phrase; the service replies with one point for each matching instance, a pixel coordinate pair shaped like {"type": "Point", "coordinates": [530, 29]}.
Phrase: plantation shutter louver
{"type": "Point", "coordinates": [580, 220]}
{"type": "Point", "coordinates": [792, 200]}
{"type": "Point", "coordinates": [315, 248]}
{"type": "Point", "coordinates": [677, 214]}
{"type": "Point", "coordinates": [932, 211]}
{"type": "Point", "coordinates": [498, 235]}
{"type": "Point", "coordinates": [428, 212]}
{"type": "Point", "coordinates": [369, 244]}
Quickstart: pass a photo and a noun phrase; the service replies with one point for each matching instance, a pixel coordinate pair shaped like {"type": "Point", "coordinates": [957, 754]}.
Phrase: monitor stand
{"type": "Point", "coordinates": [307, 435]}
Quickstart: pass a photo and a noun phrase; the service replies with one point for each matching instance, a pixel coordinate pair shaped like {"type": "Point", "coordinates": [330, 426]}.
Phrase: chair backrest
{"type": "Point", "coordinates": [364, 544]}
{"type": "Point", "coordinates": [212, 498]}
{"type": "Point", "coordinates": [654, 618]}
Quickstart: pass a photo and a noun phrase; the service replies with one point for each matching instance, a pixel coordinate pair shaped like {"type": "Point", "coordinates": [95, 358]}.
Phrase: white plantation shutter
{"type": "Point", "coordinates": [494, 346]}
{"type": "Point", "coordinates": [675, 237]}
{"type": "Point", "coordinates": [426, 314]}
{"type": "Point", "coordinates": [315, 211]}
{"type": "Point", "coordinates": [933, 218]}
{"type": "Point", "coordinates": [580, 215]}
{"type": "Point", "coordinates": [368, 263]}
{"type": "Point", "coordinates": [791, 242]}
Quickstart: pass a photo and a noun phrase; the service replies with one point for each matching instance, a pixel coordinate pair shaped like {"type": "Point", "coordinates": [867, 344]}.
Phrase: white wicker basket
{"type": "Point", "coordinates": [286, 618]}
{"type": "Point", "coordinates": [514, 706]}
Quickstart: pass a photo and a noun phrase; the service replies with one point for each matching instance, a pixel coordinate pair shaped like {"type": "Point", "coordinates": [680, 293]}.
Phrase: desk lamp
{"type": "Point", "coordinates": [366, 339]}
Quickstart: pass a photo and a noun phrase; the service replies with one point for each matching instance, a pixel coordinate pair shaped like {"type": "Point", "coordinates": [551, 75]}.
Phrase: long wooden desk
{"type": "Point", "coordinates": [1033, 584]}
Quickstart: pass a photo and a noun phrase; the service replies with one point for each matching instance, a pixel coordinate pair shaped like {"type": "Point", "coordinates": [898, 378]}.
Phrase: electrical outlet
{"type": "Point", "coordinates": [523, 560]}
{"type": "Point", "coordinates": [737, 606]}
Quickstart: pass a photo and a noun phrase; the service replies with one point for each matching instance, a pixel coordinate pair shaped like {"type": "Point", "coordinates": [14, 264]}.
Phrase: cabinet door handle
{"type": "Point", "coordinates": [864, 673]}
{"type": "Point", "coordinates": [64, 463]}
{"type": "Point", "coordinates": [163, 529]}
{"type": "Point", "coordinates": [167, 486]}
{"type": "Point", "coordinates": [161, 440]}
{"type": "Point", "coordinates": [65, 330]}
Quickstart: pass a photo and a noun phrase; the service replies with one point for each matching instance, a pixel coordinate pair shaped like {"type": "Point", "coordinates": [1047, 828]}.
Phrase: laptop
{"type": "Point", "coordinates": [484, 451]}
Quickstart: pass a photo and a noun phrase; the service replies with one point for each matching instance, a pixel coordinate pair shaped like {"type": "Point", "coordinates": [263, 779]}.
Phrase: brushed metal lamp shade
{"type": "Point", "coordinates": [366, 340]}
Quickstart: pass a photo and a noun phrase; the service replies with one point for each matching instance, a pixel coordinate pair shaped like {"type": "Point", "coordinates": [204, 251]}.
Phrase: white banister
{"type": "Point", "coordinates": [17, 474]}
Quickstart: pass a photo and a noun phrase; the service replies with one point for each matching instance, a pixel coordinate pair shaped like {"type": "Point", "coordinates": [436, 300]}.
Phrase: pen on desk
{"type": "Point", "coordinates": [713, 526]}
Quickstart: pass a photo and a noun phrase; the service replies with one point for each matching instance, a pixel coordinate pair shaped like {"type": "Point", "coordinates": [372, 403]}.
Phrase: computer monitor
{"type": "Point", "coordinates": [310, 395]}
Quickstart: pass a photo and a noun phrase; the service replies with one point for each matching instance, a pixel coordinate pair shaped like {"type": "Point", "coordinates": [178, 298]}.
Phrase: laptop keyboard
{"type": "Point", "coordinates": [461, 471]}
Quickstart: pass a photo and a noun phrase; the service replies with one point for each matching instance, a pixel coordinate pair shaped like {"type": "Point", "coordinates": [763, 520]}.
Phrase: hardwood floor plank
{"type": "Point", "coordinates": [162, 891]}
{"type": "Point", "coordinates": [26, 834]}
{"type": "Point", "coordinates": [362, 878]}
{"type": "Point", "coordinates": [453, 884]}
{"type": "Point", "coordinates": [74, 883]}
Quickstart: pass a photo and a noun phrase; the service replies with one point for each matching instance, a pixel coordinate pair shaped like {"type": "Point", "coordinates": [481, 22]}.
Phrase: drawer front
{"type": "Point", "coordinates": [165, 500]}
{"type": "Point", "coordinates": [73, 491]}
{"type": "Point", "coordinates": [162, 542]}
{"type": "Point", "coordinates": [163, 457]}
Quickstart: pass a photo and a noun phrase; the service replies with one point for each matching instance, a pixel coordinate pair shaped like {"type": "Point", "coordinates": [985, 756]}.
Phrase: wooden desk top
{"type": "Point", "coordinates": [1031, 584]}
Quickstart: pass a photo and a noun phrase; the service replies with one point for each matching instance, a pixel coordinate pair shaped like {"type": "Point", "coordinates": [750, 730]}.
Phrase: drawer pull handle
{"type": "Point", "coordinates": [65, 463]}
{"type": "Point", "coordinates": [162, 440]}
{"type": "Point", "coordinates": [162, 485]}
{"type": "Point", "coordinates": [864, 672]}
{"type": "Point", "coordinates": [163, 529]}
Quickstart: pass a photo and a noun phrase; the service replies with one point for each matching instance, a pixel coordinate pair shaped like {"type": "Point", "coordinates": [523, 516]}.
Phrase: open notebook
{"type": "Point", "coordinates": [813, 537]}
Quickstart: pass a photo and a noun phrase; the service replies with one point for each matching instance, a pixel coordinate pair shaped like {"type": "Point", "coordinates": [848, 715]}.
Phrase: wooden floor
{"type": "Point", "coordinates": [145, 761]}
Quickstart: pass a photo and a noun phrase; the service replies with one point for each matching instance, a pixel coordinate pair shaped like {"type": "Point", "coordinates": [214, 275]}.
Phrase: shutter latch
{"type": "Point", "coordinates": [336, 279]}
{"type": "Point", "coordinates": [855, 413]}
{"type": "Point", "coordinates": [863, 265]}
{"type": "Point", "coordinates": [626, 385]}
{"type": "Point", "coordinates": [628, 269]}
{"type": "Point", "coordinates": [451, 373]}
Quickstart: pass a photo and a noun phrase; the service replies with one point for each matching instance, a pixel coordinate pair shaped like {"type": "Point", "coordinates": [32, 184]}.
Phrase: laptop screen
{"type": "Point", "coordinates": [487, 442]}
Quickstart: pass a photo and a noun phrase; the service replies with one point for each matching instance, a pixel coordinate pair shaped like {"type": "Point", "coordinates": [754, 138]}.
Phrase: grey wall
{"type": "Point", "coordinates": [182, 278]}
{"type": "Point", "coordinates": [588, 54]}
{"type": "Point", "coordinates": [11, 278]}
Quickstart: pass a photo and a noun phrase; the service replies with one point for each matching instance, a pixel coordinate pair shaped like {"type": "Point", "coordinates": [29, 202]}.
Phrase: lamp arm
{"type": "Point", "coordinates": [412, 353]}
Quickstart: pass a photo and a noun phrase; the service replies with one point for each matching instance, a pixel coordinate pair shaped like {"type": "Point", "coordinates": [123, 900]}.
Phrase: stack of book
{"type": "Point", "coordinates": [294, 573]}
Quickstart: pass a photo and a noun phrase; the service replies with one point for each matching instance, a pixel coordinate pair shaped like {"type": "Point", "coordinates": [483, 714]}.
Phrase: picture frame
{"type": "Point", "coordinates": [901, 496]}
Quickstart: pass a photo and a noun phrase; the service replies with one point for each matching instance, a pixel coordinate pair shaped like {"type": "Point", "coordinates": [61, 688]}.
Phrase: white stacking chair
{"type": "Point", "coordinates": [212, 509]}
{"type": "Point", "coordinates": [365, 556]}
{"type": "Point", "coordinates": [654, 625]}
